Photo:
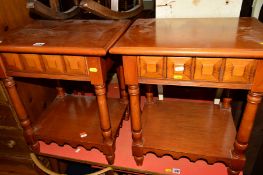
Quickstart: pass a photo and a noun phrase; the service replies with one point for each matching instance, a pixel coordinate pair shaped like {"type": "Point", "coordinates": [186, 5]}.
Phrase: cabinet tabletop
{"type": "Point", "coordinates": [215, 37]}
{"type": "Point", "coordinates": [76, 37]}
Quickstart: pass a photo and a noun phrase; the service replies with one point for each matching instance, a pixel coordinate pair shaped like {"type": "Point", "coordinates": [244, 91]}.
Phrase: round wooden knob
{"type": "Point", "coordinates": [11, 143]}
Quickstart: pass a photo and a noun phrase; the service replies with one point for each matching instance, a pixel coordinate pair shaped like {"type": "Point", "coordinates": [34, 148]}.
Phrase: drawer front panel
{"type": "Point", "coordinates": [7, 116]}
{"type": "Point", "coordinates": [76, 65]}
{"type": "Point", "coordinates": [46, 64]}
{"type": "Point", "coordinates": [179, 68]}
{"type": "Point", "coordinates": [239, 70]}
{"type": "Point", "coordinates": [54, 63]}
{"type": "Point", "coordinates": [208, 69]}
{"type": "Point", "coordinates": [12, 143]}
{"type": "Point", "coordinates": [32, 62]}
{"type": "Point", "coordinates": [12, 62]}
{"type": "Point", "coordinates": [151, 67]}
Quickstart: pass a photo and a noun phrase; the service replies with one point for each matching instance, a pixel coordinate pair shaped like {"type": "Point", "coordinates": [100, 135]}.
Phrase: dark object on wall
{"type": "Point", "coordinates": [246, 9]}
{"type": "Point", "coordinates": [260, 17]}
{"type": "Point", "coordinates": [53, 9]}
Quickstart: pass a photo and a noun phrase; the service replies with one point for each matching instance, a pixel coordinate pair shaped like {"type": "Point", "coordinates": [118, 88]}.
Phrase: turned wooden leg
{"type": "Point", "coordinates": [105, 124]}
{"type": "Point", "coordinates": [60, 89]}
{"type": "Point", "coordinates": [149, 94]}
{"type": "Point", "coordinates": [123, 93]}
{"type": "Point", "coordinates": [241, 142]}
{"type": "Point", "coordinates": [227, 100]}
{"type": "Point", "coordinates": [21, 114]}
{"type": "Point", "coordinates": [227, 103]}
{"type": "Point", "coordinates": [137, 144]}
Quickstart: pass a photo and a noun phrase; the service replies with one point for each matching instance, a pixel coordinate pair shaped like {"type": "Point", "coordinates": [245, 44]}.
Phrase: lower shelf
{"type": "Point", "coordinates": [124, 160]}
{"type": "Point", "coordinates": [196, 130]}
{"type": "Point", "coordinates": [74, 120]}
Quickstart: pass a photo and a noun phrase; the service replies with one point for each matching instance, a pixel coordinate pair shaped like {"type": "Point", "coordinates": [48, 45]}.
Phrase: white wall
{"type": "Point", "coordinates": [197, 8]}
{"type": "Point", "coordinates": [257, 4]}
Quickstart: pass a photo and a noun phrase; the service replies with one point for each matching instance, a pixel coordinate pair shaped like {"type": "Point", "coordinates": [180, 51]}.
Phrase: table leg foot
{"type": "Point", "coordinates": [139, 160]}
{"type": "Point", "coordinates": [232, 172]}
{"type": "Point", "coordinates": [110, 159]}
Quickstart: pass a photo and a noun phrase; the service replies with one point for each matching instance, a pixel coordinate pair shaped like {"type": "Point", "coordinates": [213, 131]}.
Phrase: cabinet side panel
{"type": "Point", "coordinates": [258, 79]}
{"type": "Point", "coordinates": [130, 70]}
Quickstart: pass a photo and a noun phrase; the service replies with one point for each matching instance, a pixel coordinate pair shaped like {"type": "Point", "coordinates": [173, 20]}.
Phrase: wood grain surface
{"type": "Point", "coordinates": [221, 37]}
{"type": "Point", "coordinates": [67, 118]}
{"type": "Point", "coordinates": [197, 130]}
{"type": "Point", "coordinates": [79, 37]}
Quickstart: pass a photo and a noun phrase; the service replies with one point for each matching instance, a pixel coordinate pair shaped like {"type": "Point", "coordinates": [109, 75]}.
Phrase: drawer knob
{"type": "Point", "coordinates": [151, 67]}
{"type": "Point", "coordinates": [11, 143]}
{"type": "Point", "coordinates": [207, 69]}
{"type": "Point", "coordinates": [238, 70]}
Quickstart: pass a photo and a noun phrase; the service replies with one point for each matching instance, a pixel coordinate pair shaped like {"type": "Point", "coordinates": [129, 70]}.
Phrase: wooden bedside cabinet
{"type": "Point", "coordinates": [67, 50]}
{"type": "Point", "coordinates": [218, 53]}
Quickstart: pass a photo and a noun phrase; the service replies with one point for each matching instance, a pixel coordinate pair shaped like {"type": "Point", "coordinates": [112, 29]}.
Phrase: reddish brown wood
{"type": "Point", "coordinates": [97, 70]}
{"type": "Point", "coordinates": [2, 69]}
{"type": "Point", "coordinates": [70, 55]}
{"type": "Point", "coordinates": [123, 92]}
{"type": "Point", "coordinates": [227, 103]}
{"type": "Point", "coordinates": [80, 123]}
{"type": "Point", "coordinates": [189, 52]}
{"type": "Point", "coordinates": [130, 65]}
{"type": "Point", "coordinates": [101, 35]}
{"type": "Point", "coordinates": [60, 89]}
{"type": "Point", "coordinates": [16, 166]}
{"type": "Point", "coordinates": [135, 113]}
{"type": "Point", "coordinates": [241, 143]}
{"type": "Point", "coordinates": [176, 37]}
{"type": "Point", "coordinates": [180, 68]}
{"type": "Point", "coordinates": [195, 83]}
{"type": "Point", "coordinates": [239, 70]}
{"type": "Point", "coordinates": [22, 115]}
{"type": "Point", "coordinates": [151, 67]}
{"type": "Point", "coordinates": [149, 94]}
{"type": "Point", "coordinates": [35, 95]}
{"type": "Point", "coordinates": [121, 81]}
{"type": "Point", "coordinates": [105, 123]}
{"type": "Point", "coordinates": [197, 130]}
{"type": "Point", "coordinates": [12, 143]}
{"type": "Point", "coordinates": [258, 80]}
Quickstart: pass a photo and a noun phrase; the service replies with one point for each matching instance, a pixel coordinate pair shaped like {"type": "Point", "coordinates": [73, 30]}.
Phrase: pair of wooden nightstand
{"type": "Point", "coordinates": [68, 50]}
{"type": "Point", "coordinates": [219, 53]}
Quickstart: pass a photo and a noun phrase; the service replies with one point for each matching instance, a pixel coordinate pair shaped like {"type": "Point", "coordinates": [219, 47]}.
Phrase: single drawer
{"type": "Point", "coordinates": [54, 63]}
{"type": "Point", "coordinates": [76, 65]}
{"type": "Point", "coordinates": [239, 70]}
{"type": "Point", "coordinates": [208, 69]}
{"type": "Point", "coordinates": [7, 116]}
{"type": "Point", "coordinates": [151, 67]}
{"type": "Point", "coordinates": [32, 62]}
{"type": "Point", "coordinates": [12, 143]}
{"type": "Point", "coordinates": [179, 68]}
{"type": "Point", "coordinates": [12, 61]}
